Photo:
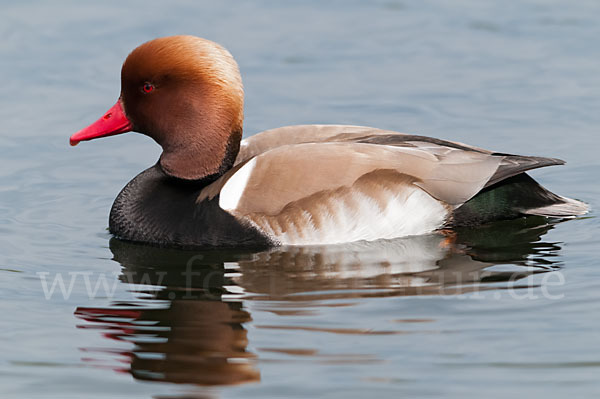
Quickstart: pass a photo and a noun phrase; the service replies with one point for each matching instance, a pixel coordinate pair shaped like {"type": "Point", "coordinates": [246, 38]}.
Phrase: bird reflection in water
{"type": "Point", "coordinates": [188, 325]}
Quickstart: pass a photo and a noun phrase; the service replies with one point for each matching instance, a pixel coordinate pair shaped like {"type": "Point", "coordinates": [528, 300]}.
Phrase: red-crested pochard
{"type": "Point", "coordinates": [297, 185]}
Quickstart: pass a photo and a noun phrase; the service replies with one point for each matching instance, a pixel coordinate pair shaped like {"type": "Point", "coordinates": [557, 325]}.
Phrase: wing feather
{"type": "Point", "coordinates": [283, 165]}
{"type": "Point", "coordinates": [289, 173]}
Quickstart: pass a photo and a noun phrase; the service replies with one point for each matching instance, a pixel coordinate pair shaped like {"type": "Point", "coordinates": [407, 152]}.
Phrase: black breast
{"type": "Point", "coordinates": [157, 209]}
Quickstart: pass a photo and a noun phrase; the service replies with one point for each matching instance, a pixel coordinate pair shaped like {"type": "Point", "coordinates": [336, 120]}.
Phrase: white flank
{"type": "Point", "coordinates": [411, 211]}
{"type": "Point", "coordinates": [232, 191]}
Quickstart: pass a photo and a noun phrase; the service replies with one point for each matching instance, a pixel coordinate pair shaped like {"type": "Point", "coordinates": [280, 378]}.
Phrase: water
{"type": "Point", "coordinates": [509, 309]}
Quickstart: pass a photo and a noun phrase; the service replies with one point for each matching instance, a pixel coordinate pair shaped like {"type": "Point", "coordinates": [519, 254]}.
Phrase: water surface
{"type": "Point", "coordinates": [507, 309]}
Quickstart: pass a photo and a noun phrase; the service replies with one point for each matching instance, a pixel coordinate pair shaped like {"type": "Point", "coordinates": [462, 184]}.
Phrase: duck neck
{"type": "Point", "coordinates": [201, 160]}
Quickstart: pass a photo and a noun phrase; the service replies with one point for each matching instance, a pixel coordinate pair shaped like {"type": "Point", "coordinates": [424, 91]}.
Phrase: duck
{"type": "Point", "coordinates": [292, 185]}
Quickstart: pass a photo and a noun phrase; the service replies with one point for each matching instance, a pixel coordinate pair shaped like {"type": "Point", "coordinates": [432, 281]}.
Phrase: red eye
{"type": "Point", "coordinates": [148, 87]}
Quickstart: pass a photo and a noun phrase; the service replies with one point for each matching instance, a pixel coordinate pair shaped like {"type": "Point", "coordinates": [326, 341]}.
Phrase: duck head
{"type": "Point", "coordinates": [186, 93]}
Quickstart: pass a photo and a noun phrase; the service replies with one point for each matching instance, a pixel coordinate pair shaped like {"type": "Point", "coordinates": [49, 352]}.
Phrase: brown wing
{"type": "Point", "coordinates": [299, 134]}
{"type": "Point", "coordinates": [510, 164]}
{"type": "Point", "coordinates": [273, 179]}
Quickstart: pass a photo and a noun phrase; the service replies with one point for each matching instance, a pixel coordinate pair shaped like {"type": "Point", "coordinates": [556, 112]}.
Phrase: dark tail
{"type": "Point", "coordinates": [514, 197]}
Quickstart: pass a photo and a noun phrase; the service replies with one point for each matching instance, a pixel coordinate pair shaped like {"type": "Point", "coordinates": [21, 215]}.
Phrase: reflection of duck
{"type": "Point", "coordinates": [210, 188]}
{"type": "Point", "coordinates": [195, 338]}
{"type": "Point", "coordinates": [420, 265]}
{"type": "Point", "coordinates": [189, 332]}
{"type": "Point", "coordinates": [194, 342]}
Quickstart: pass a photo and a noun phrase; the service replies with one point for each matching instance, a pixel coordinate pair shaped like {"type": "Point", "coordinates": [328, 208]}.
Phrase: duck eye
{"type": "Point", "coordinates": [148, 87]}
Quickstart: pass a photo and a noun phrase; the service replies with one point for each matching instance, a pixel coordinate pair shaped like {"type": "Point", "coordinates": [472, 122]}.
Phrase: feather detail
{"type": "Point", "coordinates": [567, 207]}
